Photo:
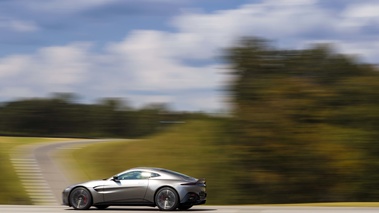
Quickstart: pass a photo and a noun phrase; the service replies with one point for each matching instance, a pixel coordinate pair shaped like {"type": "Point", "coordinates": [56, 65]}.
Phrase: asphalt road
{"type": "Point", "coordinates": [205, 208]}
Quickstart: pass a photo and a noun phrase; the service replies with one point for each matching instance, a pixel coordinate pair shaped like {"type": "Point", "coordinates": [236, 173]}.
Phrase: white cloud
{"type": "Point", "coordinates": [142, 62]}
{"type": "Point", "coordinates": [51, 69]}
{"type": "Point", "coordinates": [59, 6]}
{"type": "Point", "coordinates": [368, 51]}
{"type": "Point", "coordinates": [13, 65]}
{"type": "Point", "coordinates": [290, 23]}
{"type": "Point", "coordinates": [16, 92]}
{"type": "Point", "coordinates": [18, 25]}
{"type": "Point", "coordinates": [363, 11]}
{"type": "Point", "coordinates": [62, 65]}
{"type": "Point", "coordinates": [357, 16]}
{"type": "Point", "coordinates": [269, 18]}
{"type": "Point", "coordinates": [150, 55]}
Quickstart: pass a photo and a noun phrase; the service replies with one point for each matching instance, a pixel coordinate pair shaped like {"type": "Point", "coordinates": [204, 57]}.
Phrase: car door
{"type": "Point", "coordinates": [129, 187]}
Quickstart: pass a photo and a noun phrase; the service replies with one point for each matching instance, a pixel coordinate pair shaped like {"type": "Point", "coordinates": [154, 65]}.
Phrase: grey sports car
{"type": "Point", "coordinates": [166, 189]}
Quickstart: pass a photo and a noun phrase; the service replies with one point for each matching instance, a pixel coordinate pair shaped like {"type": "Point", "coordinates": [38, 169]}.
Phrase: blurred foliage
{"type": "Point", "coordinates": [60, 116]}
{"type": "Point", "coordinates": [304, 124]}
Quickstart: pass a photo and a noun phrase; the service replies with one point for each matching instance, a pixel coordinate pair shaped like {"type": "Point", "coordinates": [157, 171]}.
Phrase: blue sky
{"type": "Point", "coordinates": [161, 51]}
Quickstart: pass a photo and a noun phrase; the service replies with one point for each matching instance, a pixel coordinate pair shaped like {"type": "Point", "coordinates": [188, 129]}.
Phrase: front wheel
{"type": "Point", "coordinates": [80, 198]}
{"type": "Point", "coordinates": [167, 199]}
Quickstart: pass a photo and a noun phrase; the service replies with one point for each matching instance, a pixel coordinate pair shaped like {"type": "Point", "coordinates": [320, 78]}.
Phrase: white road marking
{"type": "Point", "coordinates": [31, 177]}
{"type": "Point", "coordinates": [43, 182]}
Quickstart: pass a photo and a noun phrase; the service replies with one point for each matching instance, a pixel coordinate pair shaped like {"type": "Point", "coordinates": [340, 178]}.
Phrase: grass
{"type": "Point", "coordinates": [12, 191]}
{"type": "Point", "coordinates": [189, 148]}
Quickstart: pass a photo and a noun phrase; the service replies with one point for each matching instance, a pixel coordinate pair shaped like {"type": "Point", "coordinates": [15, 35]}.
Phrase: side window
{"type": "Point", "coordinates": [130, 175]}
{"type": "Point", "coordinates": [135, 175]}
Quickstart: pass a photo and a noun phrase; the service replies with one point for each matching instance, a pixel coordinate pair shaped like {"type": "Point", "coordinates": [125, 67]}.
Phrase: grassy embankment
{"type": "Point", "coordinates": [192, 148]}
{"type": "Point", "coordinates": [12, 191]}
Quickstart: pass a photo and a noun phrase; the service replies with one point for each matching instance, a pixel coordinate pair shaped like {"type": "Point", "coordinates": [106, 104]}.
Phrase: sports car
{"type": "Point", "coordinates": [142, 186]}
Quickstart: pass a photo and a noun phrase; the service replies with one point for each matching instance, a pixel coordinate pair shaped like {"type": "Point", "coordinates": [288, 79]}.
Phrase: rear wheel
{"type": "Point", "coordinates": [80, 198]}
{"type": "Point", "coordinates": [167, 199]}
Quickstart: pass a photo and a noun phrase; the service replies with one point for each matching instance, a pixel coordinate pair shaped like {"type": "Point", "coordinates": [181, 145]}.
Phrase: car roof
{"type": "Point", "coordinates": [164, 171]}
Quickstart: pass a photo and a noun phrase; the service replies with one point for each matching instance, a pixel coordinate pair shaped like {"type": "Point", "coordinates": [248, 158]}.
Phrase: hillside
{"type": "Point", "coordinates": [193, 148]}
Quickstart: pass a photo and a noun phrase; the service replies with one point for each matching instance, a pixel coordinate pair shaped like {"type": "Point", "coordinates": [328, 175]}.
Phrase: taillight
{"type": "Point", "coordinates": [199, 181]}
{"type": "Point", "coordinates": [194, 183]}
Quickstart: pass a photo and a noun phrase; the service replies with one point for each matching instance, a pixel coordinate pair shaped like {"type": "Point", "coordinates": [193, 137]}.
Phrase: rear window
{"type": "Point", "coordinates": [183, 176]}
{"type": "Point", "coordinates": [153, 175]}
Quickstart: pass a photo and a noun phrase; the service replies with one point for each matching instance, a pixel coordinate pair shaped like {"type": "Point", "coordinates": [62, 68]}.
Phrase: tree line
{"type": "Point", "coordinates": [305, 124]}
{"type": "Point", "coordinates": [61, 116]}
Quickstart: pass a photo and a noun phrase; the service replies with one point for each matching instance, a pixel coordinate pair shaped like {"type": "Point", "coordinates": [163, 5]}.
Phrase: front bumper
{"type": "Point", "coordinates": [65, 195]}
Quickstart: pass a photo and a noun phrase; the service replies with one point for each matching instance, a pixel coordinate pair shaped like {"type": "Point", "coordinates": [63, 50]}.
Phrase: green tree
{"type": "Point", "coordinates": [292, 120]}
{"type": "Point", "coordinates": [60, 116]}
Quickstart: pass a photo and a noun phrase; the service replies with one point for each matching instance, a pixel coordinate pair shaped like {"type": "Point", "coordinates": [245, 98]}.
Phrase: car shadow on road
{"type": "Point", "coordinates": [110, 209]}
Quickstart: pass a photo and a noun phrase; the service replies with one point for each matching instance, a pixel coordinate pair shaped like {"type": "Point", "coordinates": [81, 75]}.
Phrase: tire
{"type": "Point", "coordinates": [101, 207]}
{"type": "Point", "coordinates": [167, 199]}
{"type": "Point", "coordinates": [184, 207]}
{"type": "Point", "coordinates": [80, 198]}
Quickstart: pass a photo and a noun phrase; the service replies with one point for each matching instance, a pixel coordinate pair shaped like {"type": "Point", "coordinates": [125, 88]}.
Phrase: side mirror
{"type": "Point", "coordinates": [115, 178]}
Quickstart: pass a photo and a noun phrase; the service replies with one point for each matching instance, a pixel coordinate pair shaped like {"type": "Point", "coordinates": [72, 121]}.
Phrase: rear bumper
{"type": "Point", "coordinates": [194, 198]}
